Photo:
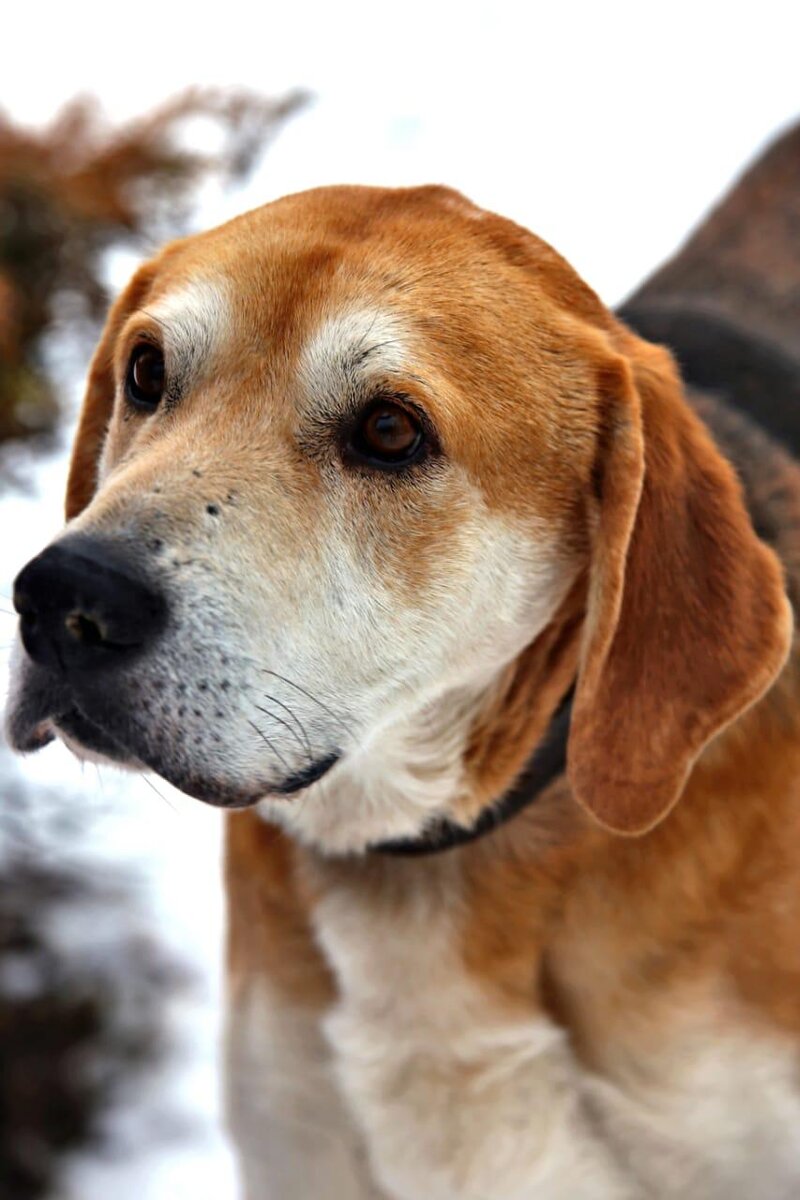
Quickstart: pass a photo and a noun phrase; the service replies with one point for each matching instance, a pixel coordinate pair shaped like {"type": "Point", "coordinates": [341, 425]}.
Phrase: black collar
{"type": "Point", "coordinates": [547, 762]}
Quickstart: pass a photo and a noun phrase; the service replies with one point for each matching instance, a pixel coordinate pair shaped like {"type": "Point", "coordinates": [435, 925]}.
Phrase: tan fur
{"type": "Point", "coordinates": [536, 1015]}
{"type": "Point", "coordinates": [675, 561]}
{"type": "Point", "coordinates": [271, 922]}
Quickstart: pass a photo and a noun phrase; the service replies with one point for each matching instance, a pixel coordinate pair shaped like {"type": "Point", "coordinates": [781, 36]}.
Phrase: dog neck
{"type": "Point", "coordinates": [455, 769]}
{"type": "Point", "coordinates": [547, 763]}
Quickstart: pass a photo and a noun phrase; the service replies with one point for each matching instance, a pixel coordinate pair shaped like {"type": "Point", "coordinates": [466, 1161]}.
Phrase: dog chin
{"type": "Point", "coordinates": [222, 794]}
{"type": "Point", "coordinates": [91, 754]}
{"type": "Point", "coordinates": [89, 742]}
{"type": "Point", "coordinates": [41, 708]}
{"type": "Point", "coordinates": [213, 792]}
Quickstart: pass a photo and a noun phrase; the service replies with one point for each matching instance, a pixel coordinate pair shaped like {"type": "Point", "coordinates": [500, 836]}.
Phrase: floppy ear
{"type": "Point", "coordinates": [687, 621]}
{"type": "Point", "coordinates": [98, 400]}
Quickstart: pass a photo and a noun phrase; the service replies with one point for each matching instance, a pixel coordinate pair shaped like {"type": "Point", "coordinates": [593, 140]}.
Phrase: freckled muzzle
{"type": "Point", "coordinates": [125, 662]}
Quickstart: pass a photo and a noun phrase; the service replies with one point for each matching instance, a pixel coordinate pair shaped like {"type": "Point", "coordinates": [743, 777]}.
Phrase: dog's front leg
{"type": "Point", "coordinates": [496, 1114]}
{"type": "Point", "coordinates": [294, 1138]}
{"type": "Point", "coordinates": [463, 1090]}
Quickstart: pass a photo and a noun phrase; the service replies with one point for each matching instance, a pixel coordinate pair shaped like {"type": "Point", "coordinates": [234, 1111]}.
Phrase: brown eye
{"type": "Point", "coordinates": [387, 435]}
{"type": "Point", "coordinates": [144, 382]}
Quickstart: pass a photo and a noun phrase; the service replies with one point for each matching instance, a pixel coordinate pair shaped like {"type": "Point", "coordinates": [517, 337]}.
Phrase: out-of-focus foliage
{"type": "Point", "coordinates": [74, 1028]}
{"type": "Point", "coordinates": [73, 190]}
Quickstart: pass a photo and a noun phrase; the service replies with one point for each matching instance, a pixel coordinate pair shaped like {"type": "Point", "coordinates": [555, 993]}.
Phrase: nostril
{"type": "Point", "coordinates": [85, 630]}
{"type": "Point", "coordinates": [23, 603]}
{"type": "Point", "coordinates": [26, 610]}
{"type": "Point", "coordinates": [29, 622]}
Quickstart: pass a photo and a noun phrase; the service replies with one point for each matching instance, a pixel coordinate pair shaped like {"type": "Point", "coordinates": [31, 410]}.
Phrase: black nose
{"type": "Point", "coordinates": [82, 606]}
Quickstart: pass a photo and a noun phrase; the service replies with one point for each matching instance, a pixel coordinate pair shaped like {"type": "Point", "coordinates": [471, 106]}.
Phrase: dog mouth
{"type": "Point", "coordinates": [90, 736]}
{"type": "Point", "coordinates": [309, 774]}
{"type": "Point", "coordinates": [221, 794]}
{"type": "Point", "coordinates": [46, 707]}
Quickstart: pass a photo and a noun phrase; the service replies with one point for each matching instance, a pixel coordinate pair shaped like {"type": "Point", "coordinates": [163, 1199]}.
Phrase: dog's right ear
{"type": "Point", "coordinates": [687, 620]}
{"type": "Point", "coordinates": [98, 401]}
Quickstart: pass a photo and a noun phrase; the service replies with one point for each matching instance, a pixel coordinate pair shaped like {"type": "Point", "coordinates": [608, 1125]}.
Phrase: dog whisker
{"type": "Point", "coordinates": [160, 795]}
{"type": "Point", "coordinates": [310, 695]}
{"type": "Point", "coordinates": [271, 744]}
{"type": "Point", "coordinates": [288, 709]}
{"type": "Point", "coordinates": [274, 717]}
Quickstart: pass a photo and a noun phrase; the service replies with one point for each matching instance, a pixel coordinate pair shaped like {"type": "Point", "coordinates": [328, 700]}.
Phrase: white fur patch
{"type": "Point", "coordinates": [195, 321]}
{"type": "Point", "coordinates": [712, 1113]}
{"type": "Point", "coordinates": [458, 1097]}
{"type": "Point", "coordinates": [358, 343]}
{"type": "Point", "coordinates": [406, 767]}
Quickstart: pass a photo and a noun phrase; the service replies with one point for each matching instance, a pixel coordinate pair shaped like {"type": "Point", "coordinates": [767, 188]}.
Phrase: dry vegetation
{"type": "Point", "coordinates": [73, 190]}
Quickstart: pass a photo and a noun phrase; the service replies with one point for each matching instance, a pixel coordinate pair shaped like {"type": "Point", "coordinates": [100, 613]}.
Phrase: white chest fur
{"type": "Point", "coordinates": [457, 1098]}
{"type": "Point", "coordinates": [421, 1085]}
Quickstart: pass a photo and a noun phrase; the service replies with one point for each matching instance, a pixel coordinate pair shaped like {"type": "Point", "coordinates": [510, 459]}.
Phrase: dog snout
{"type": "Point", "coordinates": [83, 606]}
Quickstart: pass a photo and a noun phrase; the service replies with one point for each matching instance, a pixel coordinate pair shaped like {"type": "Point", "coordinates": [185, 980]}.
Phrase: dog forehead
{"type": "Point", "coordinates": [406, 282]}
{"type": "Point", "coordinates": [420, 245]}
{"type": "Point", "coordinates": [458, 274]}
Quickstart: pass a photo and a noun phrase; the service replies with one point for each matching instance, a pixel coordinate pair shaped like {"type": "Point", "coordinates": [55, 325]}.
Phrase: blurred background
{"type": "Point", "coordinates": [607, 128]}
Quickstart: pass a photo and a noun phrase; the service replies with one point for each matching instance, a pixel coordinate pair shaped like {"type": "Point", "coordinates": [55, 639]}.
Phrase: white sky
{"type": "Point", "coordinates": [606, 127]}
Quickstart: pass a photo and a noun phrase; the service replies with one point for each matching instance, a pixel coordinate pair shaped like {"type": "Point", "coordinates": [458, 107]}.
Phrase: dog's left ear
{"type": "Point", "coordinates": [687, 620]}
{"type": "Point", "coordinates": [98, 402]}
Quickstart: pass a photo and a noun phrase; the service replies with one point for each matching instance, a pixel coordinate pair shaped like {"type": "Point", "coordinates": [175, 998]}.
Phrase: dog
{"type": "Point", "coordinates": [383, 529]}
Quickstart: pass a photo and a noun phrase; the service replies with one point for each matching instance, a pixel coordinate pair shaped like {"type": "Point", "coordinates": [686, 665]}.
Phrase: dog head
{"type": "Point", "coordinates": [340, 462]}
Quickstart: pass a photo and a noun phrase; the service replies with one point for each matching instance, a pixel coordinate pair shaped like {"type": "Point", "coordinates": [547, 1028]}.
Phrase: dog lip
{"type": "Point", "coordinates": [213, 792]}
{"type": "Point", "coordinates": [89, 734]}
{"type": "Point", "coordinates": [43, 707]}
{"type": "Point", "coordinates": [35, 702]}
{"type": "Point", "coordinates": [220, 795]}
{"type": "Point", "coordinates": [31, 736]}
{"type": "Point", "coordinates": [308, 775]}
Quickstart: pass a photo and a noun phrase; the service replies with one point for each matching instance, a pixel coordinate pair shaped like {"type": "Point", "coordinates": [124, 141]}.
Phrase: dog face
{"type": "Point", "coordinates": [339, 463]}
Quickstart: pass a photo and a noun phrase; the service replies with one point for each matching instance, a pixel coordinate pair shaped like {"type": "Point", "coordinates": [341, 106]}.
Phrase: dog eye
{"type": "Point", "coordinates": [144, 382]}
{"type": "Point", "coordinates": [387, 435]}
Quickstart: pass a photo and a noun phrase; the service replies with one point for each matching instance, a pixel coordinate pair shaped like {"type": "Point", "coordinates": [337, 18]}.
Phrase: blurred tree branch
{"type": "Point", "coordinates": [77, 188]}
